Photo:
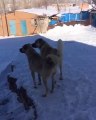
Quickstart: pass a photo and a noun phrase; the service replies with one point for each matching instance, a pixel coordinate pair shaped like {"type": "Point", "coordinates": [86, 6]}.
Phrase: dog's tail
{"type": "Point", "coordinates": [60, 48]}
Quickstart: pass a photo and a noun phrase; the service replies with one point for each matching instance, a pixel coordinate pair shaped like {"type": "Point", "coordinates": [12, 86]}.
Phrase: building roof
{"type": "Point", "coordinates": [53, 10]}
{"type": "Point", "coordinates": [41, 11]}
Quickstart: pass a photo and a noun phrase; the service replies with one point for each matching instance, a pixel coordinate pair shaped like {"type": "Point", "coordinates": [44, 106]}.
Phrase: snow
{"type": "Point", "coordinates": [74, 98]}
{"type": "Point", "coordinates": [80, 33]}
{"type": "Point", "coordinates": [53, 10]}
{"type": "Point", "coordinates": [71, 9]}
{"type": "Point", "coordinates": [41, 11]}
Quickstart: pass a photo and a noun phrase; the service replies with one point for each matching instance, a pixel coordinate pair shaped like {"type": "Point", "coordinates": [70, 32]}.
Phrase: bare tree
{"type": "Point", "coordinates": [18, 4]}
{"type": "Point", "coordinates": [94, 1]}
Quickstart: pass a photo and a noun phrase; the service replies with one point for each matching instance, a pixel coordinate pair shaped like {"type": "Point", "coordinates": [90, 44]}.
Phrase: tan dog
{"type": "Point", "coordinates": [46, 49]}
{"type": "Point", "coordinates": [45, 68]}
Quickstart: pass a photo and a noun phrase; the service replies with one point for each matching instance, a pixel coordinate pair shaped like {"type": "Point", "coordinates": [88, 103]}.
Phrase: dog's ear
{"type": "Point", "coordinates": [38, 43]}
{"type": "Point", "coordinates": [34, 45]}
{"type": "Point", "coordinates": [24, 48]}
{"type": "Point", "coordinates": [41, 41]}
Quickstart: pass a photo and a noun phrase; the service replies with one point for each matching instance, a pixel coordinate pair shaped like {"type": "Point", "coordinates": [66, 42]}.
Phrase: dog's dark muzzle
{"type": "Point", "coordinates": [21, 50]}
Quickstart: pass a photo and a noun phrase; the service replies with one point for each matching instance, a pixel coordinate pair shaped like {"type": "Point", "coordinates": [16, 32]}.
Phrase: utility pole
{"type": "Point", "coordinates": [2, 24]}
{"type": "Point", "coordinates": [4, 10]}
{"type": "Point", "coordinates": [46, 4]}
{"type": "Point", "coordinates": [75, 2]}
{"type": "Point", "coordinates": [14, 6]}
{"type": "Point", "coordinates": [57, 2]}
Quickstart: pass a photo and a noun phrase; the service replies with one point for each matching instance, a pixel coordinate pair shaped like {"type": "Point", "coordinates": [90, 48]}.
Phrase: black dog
{"type": "Point", "coordinates": [12, 83]}
{"type": "Point", "coordinates": [24, 98]}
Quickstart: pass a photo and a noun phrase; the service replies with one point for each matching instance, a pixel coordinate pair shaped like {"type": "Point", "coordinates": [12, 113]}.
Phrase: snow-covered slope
{"type": "Point", "coordinates": [74, 98]}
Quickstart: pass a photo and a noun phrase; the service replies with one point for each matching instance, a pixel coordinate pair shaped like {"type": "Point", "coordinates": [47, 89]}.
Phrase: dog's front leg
{"type": "Point", "coordinates": [39, 79]}
{"type": "Point", "coordinates": [33, 76]}
{"type": "Point", "coordinates": [53, 82]}
{"type": "Point", "coordinates": [46, 87]}
{"type": "Point", "coordinates": [61, 75]}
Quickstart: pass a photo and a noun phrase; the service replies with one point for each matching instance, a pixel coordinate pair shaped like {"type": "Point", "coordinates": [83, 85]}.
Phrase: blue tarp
{"type": "Point", "coordinates": [64, 18]}
{"type": "Point", "coordinates": [78, 17]}
{"type": "Point", "coordinates": [53, 22]}
{"type": "Point", "coordinates": [72, 17]}
{"type": "Point", "coordinates": [68, 17]}
{"type": "Point", "coordinates": [85, 15]}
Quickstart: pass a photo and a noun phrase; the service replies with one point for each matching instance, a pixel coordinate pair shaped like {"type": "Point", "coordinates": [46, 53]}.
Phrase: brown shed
{"type": "Point", "coordinates": [22, 23]}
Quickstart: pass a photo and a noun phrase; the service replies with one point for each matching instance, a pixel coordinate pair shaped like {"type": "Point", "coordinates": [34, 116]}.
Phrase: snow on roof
{"type": "Point", "coordinates": [41, 11]}
{"type": "Point", "coordinates": [52, 10]}
{"type": "Point", "coordinates": [73, 9]}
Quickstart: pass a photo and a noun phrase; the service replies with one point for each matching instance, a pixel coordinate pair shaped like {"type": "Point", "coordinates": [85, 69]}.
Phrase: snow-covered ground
{"type": "Point", "coordinates": [74, 98]}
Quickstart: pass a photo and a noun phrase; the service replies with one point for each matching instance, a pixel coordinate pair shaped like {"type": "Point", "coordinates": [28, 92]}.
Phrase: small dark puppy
{"type": "Point", "coordinates": [46, 49]}
{"type": "Point", "coordinates": [24, 98]}
{"type": "Point", "coordinates": [44, 67]}
{"type": "Point", "coordinates": [12, 83]}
